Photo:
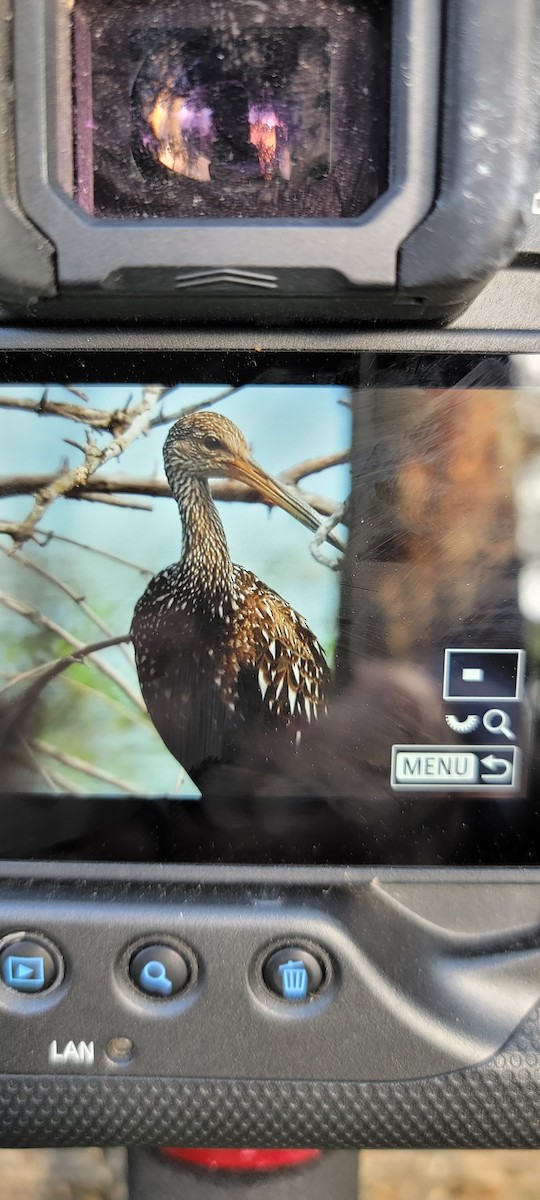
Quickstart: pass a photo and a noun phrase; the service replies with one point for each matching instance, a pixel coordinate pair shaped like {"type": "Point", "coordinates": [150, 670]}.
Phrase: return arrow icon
{"type": "Point", "coordinates": [494, 767]}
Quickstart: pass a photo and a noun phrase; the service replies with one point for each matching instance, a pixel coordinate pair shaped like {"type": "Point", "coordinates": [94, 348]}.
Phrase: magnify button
{"type": "Point", "coordinates": [159, 970]}
{"type": "Point", "coordinates": [153, 978]}
{"type": "Point", "coordinates": [496, 720]}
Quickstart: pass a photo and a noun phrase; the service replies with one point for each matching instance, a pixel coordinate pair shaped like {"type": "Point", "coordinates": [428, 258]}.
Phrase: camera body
{"type": "Point", "coordinates": [360, 163]}
{"type": "Point", "coordinates": [334, 943]}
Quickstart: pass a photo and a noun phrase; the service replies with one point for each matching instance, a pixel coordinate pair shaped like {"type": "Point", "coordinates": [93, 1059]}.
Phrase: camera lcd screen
{"type": "Point", "coordinates": [292, 618]}
{"type": "Point", "coordinates": [247, 110]}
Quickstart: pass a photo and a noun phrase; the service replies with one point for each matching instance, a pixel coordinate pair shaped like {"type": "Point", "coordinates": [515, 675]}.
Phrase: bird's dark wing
{"type": "Point", "coordinates": [176, 662]}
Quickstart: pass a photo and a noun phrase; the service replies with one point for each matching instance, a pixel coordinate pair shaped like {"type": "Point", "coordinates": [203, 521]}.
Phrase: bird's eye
{"type": "Point", "coordinates": [213, 443]}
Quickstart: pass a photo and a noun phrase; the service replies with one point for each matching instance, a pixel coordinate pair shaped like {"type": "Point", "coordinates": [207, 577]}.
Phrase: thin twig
{"type": "Point", "coordinates": [96, 418]}
{"type": "Point", "coordinates": [187, 409]}
{"type": "Point", "coordinates": [126, 712]}
{"type": "Point", "coordinates": [39, 767]}
{"type": "Point", "coordinates": [37, 618]}
{"type": "Point", "coordinates": [114, 501]}
{"type": "Point", "coordinates": [84, 767]}
{"type": "Point", "coordinates": [96, 456]}
{"type": "Point", "coordinates": [43, 674]}
{"type": "Point", "coordinates": [112, 421]}
{"type": "Point", "coordinates": [43, 536]}
{"type": "Point", "coordinates": [68, 591]}
{"type": "Point", "coordinates": [322, 535]}
{"type": "Point", "coordinates": [45, 671]}
{"type": "Point", "coordinates": [14, 713]}
{"type": "Point", "coordinates": [63, 784]}
{"type": "Point", "coordinates": [312, 466]}
{"type": "Point", "coordinates": [75, 391]}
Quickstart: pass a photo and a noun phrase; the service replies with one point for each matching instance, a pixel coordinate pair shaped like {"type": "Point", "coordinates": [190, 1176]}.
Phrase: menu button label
{"type": "Point", "coordinates": [435, 766]}
{"type": "Point", "coordinates": [455, 768]}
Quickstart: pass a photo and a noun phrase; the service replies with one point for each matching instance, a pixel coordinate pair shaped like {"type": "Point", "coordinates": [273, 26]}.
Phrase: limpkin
{"type": "Point", "coordinates": [220, 656]}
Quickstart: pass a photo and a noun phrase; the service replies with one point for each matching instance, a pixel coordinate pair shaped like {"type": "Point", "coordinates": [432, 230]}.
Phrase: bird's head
{"type": "Point", "coordinates": [206, 445]}
{"type": "Point", "coordinates": [203, 445]}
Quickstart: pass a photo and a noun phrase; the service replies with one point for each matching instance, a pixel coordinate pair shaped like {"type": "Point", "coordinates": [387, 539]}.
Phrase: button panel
{"type": "Point", "coordinates": [229, 1022]}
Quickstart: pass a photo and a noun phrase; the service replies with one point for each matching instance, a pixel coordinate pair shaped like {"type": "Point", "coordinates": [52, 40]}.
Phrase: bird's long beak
{"type": "Point", "coordinates": [249, 472]}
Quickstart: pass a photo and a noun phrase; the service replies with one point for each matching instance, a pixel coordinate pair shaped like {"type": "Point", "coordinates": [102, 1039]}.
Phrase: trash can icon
{"type": "Point", "coordinates": [294, 980]}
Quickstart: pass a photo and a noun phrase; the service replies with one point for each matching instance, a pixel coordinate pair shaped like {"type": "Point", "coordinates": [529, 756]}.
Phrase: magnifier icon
{"type": "Point", "coordinates": [153, 978]}
{"type": "Point", "coordinates": [496, 720]}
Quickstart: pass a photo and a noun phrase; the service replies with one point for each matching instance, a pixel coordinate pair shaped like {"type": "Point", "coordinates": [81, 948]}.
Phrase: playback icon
{"type": "Point", "coordinates": [24, 974]}
{"type": "Point", "coordinates": [29, 966]}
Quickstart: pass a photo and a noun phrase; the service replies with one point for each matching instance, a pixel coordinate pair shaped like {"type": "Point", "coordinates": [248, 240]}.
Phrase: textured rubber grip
{"type": "Point", "coordinates": [495, 1104]}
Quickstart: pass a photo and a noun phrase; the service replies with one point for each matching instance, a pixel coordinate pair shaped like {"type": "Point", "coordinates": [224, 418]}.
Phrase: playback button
{"type": "Point", "coordinates": [28, 965]}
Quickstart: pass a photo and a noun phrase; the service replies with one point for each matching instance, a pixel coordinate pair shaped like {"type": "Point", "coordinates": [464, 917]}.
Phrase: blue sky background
{"type": "Point", "coordinates": [284, 425]}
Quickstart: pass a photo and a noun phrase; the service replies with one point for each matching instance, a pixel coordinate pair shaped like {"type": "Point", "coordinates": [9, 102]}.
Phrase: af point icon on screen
{"type": "Point", "coordinates": [483, 674]}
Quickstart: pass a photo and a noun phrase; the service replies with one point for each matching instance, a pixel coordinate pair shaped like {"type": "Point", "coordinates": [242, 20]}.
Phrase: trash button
{"type": "Point", "coordinates": [293, 974]}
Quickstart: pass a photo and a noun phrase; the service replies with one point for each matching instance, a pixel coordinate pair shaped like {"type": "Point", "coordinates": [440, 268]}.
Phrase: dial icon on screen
{"type": "Point", "coordinates": [467, 725]}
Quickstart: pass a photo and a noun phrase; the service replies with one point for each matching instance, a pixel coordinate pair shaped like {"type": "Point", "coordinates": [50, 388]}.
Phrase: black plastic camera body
{"type": "Point", "coordinates": [419, 1023]}
{"type": "Point", "coordinates": [310, 163]}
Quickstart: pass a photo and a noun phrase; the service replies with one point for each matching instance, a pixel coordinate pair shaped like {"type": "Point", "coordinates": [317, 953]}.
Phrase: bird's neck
{"type": "Point", "coordinates": [205, 555]}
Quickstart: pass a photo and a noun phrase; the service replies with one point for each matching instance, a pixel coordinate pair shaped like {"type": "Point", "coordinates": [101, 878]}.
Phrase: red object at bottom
{"type": "Point", "coordinates": [242, 1160]}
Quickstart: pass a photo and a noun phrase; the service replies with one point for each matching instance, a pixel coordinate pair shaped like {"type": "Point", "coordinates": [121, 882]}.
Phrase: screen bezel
{"type": "Point", "coordinates": [162, 837]}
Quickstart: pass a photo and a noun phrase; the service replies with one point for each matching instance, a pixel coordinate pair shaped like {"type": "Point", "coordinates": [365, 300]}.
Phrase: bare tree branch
{"type": "Point", "coordinates": [63, 784]}
{"type": "Point", "coordinates": [97, 418]}
{"type": "Point", "coordinates": [75, 391]}
{"type": "Point", "coordinates": [43, 674]}
{"type": "Point", "coordinates": [169, 419]}
{"type": "Point", "coordinates": [80, 601]}
{"type": "Point", "coordinates": [106, 485]}
{"type": "Point", "coordinates": [114, 421]}
{"type": "Point", "coordinates": [115, 501]}
{"type": "Point", "coordinates": [37, 678]}
{"type": "Point", "coordinates": [37, 618]}
{"type": "Point", "coordinates": [38, 766]}
{"type": "Point", "coordinates": [323, 533]}
{"type": "Point", "coordinates": [126, 712]}
{"type": "Point", "coordinates": [95, 456]}
{"type": "Point", "coordinates": [312, 466]}
{"type": "Point", "coordinates": [104, 488]}
{"type": "Point", "coordinates": [43, 536]}
{"type": "Point", "coordinates": [157, 486]}
{"type": "Point", "coordinates": [84, 767]}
